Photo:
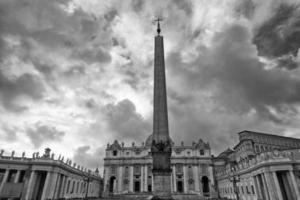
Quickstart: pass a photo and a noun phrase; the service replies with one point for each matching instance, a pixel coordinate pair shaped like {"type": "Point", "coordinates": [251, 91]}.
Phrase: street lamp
{"type": "Point", "coordinates": [87, 179]}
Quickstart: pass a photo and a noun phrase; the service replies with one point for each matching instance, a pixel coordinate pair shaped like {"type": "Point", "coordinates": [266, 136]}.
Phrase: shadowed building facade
{"type": "Point", "coordinates": [44, 177]}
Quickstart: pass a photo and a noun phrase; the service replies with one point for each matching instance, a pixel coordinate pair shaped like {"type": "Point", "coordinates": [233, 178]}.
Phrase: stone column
{"type": "Point", "coordinates": [105, 179]}
{"type": "Point", "coordinates": [63, 188]}
{"type": "Point", "coordinates": [256, 187]}
{"type": "Point", "coordinates": [266, 190]}
{"type": "Point", "coordinates": [185, 182]}
{"type": "Point", "coordinates": [120, 179]}
{"type": "Point", "coordinates": [4, 179]}
{"type": "Point", "coordinates": [146, 178]}
{"type": "Point", "coordinates": [57, 186]}
{"type": "Point", "coordinates": [46, 186]}
{"type": "Point", "coordinates": [277, 186]}
{"type": "Point", "coordinates": [196, 179]}
{"type": "Point", "coordinates": [142, 178]}
{"type": "Point", "coordinates": [31, 183]}
{"type": "Point", "coordinates": [131, 179]}
{"type": "Point", "coordinates": [271, 186]}
{"type": "Point", "coordinates": [174, 179]}
{"type": "Point", "coordinates": [152, 183]}
{"type": "Point", "coordinates": [294, 185]}
{"type": "Point", "coordinates": [53, 184]}
{"type": "Point", "coordinates": [17, 176]}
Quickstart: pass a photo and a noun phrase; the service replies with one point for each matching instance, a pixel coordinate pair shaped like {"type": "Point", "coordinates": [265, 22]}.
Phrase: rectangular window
{"type": "Point", "coordinates": [179, 169]}
{"type": "Point", "coordinates": [137, 169]}
{"type": "Point", "coordinates": [113, 169]}
{"type": "Point", "coordinates": [201, 152]}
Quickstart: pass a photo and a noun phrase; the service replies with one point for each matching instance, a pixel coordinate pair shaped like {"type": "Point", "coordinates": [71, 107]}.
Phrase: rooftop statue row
{"type": "Point", "coordinates": [46, 156]}
{"type": "Point", "coordinates": [117, 146]}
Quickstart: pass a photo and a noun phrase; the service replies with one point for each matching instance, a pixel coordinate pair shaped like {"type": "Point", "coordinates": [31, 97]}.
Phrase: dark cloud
{"type": "Point", "coordinates": [242, 81]}
{"type": "Point", "coordinates": [246, 8]}
{"type": "Point", "coordinates": [132, 79]}
{"type": "Point", "coordinates": [280, 35]}
{"type": "Point", "coordinates": [11, 88]}
{"type": "Point", "coordinates": [227, 79]}
{"type": "Point", "coordinates": [138, 5]}
{"type": "Point", "coordinates": [185, 5]}
{"type": "Point", "coordinates": [126, 123]}
{"type": "Point", "coordinates": [42, 133]}
{"type": "Point", "coordinates": [89, 160]}
{"type": "Point", "coordinates": [91, 104]}
{"type": "Point", "coordinates": [93, 55]}
{"type": "Point", "coordinates": [110, 15]}
{"type": "Point", "coordinates": [288, 62]}
{"type": "Point", "coordinates": [47, 24]}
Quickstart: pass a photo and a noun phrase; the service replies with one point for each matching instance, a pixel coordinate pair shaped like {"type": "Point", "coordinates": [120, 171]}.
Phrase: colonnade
{"type": "Point", "coordinates": [277, 185]}
{"type": "Point", "coordinates": [42, 184]}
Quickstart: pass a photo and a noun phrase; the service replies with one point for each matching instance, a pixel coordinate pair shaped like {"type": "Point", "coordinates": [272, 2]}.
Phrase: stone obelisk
{"type": "Point", "coordinates": [161, 144]}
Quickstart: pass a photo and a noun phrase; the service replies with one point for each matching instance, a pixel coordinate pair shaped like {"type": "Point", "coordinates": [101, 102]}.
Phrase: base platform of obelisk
{"type": "Point", "coordinates": [162, 186]}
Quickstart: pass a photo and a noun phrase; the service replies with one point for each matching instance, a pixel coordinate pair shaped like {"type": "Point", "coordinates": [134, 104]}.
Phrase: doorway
{"type": "Point", "coordinates": [149, 188]}
{"type": "Point", "coordinates": [111, 184]}
{"type": "Point", "coordinates": [205, 186]}
{"type": "Point", "coordinates": [180, 186]}
{"type": "Point", "coordinates": [137, 186]}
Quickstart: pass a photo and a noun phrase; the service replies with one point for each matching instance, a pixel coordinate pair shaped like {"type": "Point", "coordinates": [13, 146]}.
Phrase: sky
{"type": "Point", "coordinates": [77, 74]}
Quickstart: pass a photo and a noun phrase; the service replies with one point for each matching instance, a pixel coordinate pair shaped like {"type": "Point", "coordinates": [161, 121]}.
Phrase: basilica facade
{"type": "Point", "coordinates": [128, 170]}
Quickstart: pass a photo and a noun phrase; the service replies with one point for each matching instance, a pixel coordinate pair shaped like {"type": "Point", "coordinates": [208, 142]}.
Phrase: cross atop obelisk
{"type": "Point", "coordinates": [161, 145]}
{"type": "Point", "coordinates": [158, 19]}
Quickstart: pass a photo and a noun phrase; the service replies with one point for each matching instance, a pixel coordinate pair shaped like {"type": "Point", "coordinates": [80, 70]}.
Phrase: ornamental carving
{"type": "Point", "coordinates": [161, 146]}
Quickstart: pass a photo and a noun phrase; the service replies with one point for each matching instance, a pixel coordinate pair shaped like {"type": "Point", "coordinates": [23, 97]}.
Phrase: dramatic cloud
{"type": "Point", "coordinates": [279, 37]}
{"type": "Point", "coordinates": [126, 123]}
{"type": "Point", "coordinates": [85, 68]}
{"type": "Point", "coordinates": [13, 87]}
{"type": "Point", "coordinates": [90, 160]}
{"type": "Point", "coordinates": [42, 133]}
